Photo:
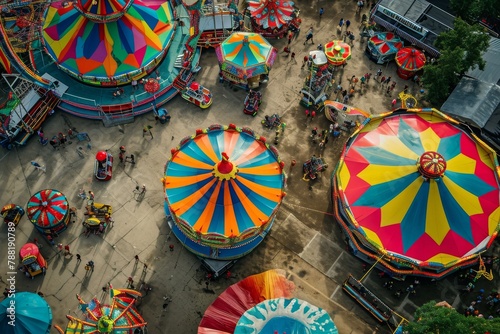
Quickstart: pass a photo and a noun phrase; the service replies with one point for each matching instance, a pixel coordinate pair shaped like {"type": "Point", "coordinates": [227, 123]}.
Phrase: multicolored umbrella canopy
{"type": "Point", "coordinates": [225, 312]}
{"type": "Point", "coordinates": [417, 187]}
{"type": "Point", "coordinates": [246, 55]}
{"type": "Point", "coordinates": [284, 315]}
{"type": "Point", "coordinates": [106, 38]}
{"type": "Point", "coordinates": [410, 59]}
{"type": "Point", "coordinates": [48, 208]}
{"type": "Point", "coordinates": [224, 182]}
{"type": "Point", "coordinates": [337, 52]}
{"type": "Point", "coordinates": [385, 43]}
{"type": "Point", "coordinates": [119, 316]}
{"type": "Point", "coordinates": [271, 13]}
{"type": "Point", "coordinates": [33, 314]}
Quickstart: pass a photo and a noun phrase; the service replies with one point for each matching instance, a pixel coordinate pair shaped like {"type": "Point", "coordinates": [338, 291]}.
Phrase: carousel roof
{"type": "Point", "coordinates": [416, 186]}
{"type": "Point", "coordinates": [337, 52]}
{"type": "Point", "coordinates": [386, 42]}
{"type": "Point", "coordinates": [47, 208]}
{"type": "Point", "coordinates": [271, 13]}
{"type": "Point", "coordinates": [32, 315]}
{"type": "Point", "coordinates": [81, 39]}
{"type": "Point", "coordinates": [410, 59]}
{"type": "Point", "coordinates": [224, 181]}
{"type": "Point", "coordinates": [246, 54]}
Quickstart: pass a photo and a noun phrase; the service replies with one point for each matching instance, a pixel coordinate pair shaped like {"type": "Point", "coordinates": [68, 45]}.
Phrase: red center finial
{"type": "Point", "coordinates": [225, 169]}
{"type": "Point", "coordinates": [432, 165]}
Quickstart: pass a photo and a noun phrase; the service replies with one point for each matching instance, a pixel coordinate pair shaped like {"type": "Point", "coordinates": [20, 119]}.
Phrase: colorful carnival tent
{"type": "Point", "coordinates": [48, 210]}
{"type": "Point", "coordinates": [337, 52]}
{"type": "Point", "coordinates": [418, 193]}
{"type": "Point", "coordinates": [223, 188]}
{"type": "Point", "coordinates": [109, 39]}
{"type": "Point", "coordinates": [263, 302]}
{"type": "Point", "coordinates": [119, 316]}
{"type": "Point", "coordinates": [32, 314]}
{"type": "Point", "coordinates": [271, 14]}
{"type": "Point", "coordinates": [409, 61]}
{"type": "Point", "coordinates": [383, 46]}
{"type": "Point", "coordinates": [32, 260]}
{"type": "Point", "coordinates": [245, 57]}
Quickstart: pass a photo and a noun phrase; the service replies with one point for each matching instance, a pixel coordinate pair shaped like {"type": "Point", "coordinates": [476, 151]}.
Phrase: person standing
{"type": "Point", "coordinates": [78, 258]}
{"type": "Point", "coordinates": [134, 84]}
{"type": "Point", "coordinates": [38, 166]}
{"type": "Point", "coordinates": [290, 36]}
{"type": "Point", "coordinates": [309, 36]}
{"type": "Point", "coordinates": [307, 114]}
{"type": "Point", "coordinates": [147, 129]}
{"type": "Point", "coordinates": [341, 23]}
{"type": "Point", "coordinates": [66, 250]}
{"type": "Point", "coordinates": [347, 24]}
{"type": "Point", "coordinates": [313, 114]}
{"type": "Point", "coordinates": [387, 80]}
{"type": "Point", "coordinates": [292, 57]}
{"type": "Point", "coordinates": [379, 73]}
{"type": "Point", "coordinates": [321, 11]}
{"type": "Point", "coordinates": [304, 61]}
{"type": "Point", "coordinates": [393, 103]}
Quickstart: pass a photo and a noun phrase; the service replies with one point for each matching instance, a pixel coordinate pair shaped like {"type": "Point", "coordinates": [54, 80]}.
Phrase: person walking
{"type": "Point", "coordinates": [91, 265]}
{"type": "Point", "coordinates": [292, 57]}
{"type": "Point", "coordinates": [341, 23]}
{"type": "Point", "coordinates": [313, 114]}
{"type": "Point", "coordinates": [38, 166]}
{"type": "Point", "coordinates": [59, 247]}
{"type": "Point", "coordinates": [307, 114]}
{"type": "Point", "coordinates": [321, 11]}
{"type": "Point", "coordinates": [393, 103]}
{"type": "Point", "coordinates": [66, 251]}
{"type": "Point", "coordinates": [387, 80]}
{"type": "Point", "coordinates": [147, 129]}
{"type": "Point", "coordinates": [290, 36]}
{"type": "Point", "coordinates": [304, 61]}
{"type": "Point", "coordinates": [347, 24]}
{"type": "Point", "coordinates": [136, 259]}
{"type": "Point", "coordinates": [309, 36]}
{"type": "Point", "coordinates": [286, 50]}
{"type": "Point", "coordinates": [78, 258]}
{"type": "Point", "coordinates": [379, 73]}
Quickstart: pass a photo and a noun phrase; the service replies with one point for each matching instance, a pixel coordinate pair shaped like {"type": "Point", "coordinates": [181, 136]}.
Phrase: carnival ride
{"type": "Point", "coordinates": [120, 315]}
{"type": "Point", "coordinates": [32, 261]}
{"type": "Point", "coordinates": [272, 122]}
{"type": "Point", "coordinates": [383, 46]}
{"type": "Point", "coordinates": [49, 211]}
{"type": "Point", "coordinates": [313, 166]}
{"type": "Point", "coordinates": [315, 84]}
{"type": "Point", "coordinates": [32, 314]}
{"type": "Point", "coordinates": [197, 95]}
{"type": "Point", "coordinates": [161, 114]}
{"type": "Point", "coordinates": [252, 103]}
{"type": "Point", "coordinates": [217, 22]}
{"type": "Point", "coordinates": [337, 52]}
{"type": "Point", "coordinates": [273, 18]}
{"type": "Point", "coordinates": [103, 166]}
{"type": "Point", "coordinates": [422, 193]}
{"type": "Point", "coordinates": [12, 214]}
{"type": "Point", "coordinates": [409, 61]}
{"type": "Point", "coordinates": [98, 210]}
{"type": "Point", "coordinates": [106, 44]}
{"type": "Point", "coordinates": [223, 188]}
{"type": "Point", "coordinates": [245, 59]}
{"type": "Point", "coordinates": [340, 112]}
{"type": "Point", "coordinates": [264, 303]}
{"type": "Point", "coordinates": [93, 225]}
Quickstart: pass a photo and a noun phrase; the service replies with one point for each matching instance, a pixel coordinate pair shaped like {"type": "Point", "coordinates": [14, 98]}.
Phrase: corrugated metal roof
{"type": "Point", "coordinates": [491, 72]}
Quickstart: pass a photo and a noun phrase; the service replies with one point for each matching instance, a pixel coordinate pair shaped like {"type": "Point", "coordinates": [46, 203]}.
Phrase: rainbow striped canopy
{"type": "Point", "coordinates": [271, 13]}
{"type": "Point", "coordinates": [337, 52]}
{"type": "Point", "coordinates": [48, 208]}
{"type": "Point", "coordinates": [224, 182]}
{"type": "Point", "coordinates": [410, 59]}
{"type": "Point", "coordinates": [389, 197]}
{"type": "Point", "coordinates": [246, 55]}
{"type": "Point", "coordinates": [134, 34]}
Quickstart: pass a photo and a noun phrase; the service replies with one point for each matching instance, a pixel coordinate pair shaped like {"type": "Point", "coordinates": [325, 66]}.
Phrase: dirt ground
{"type": "Point", "coordinates": [305, 240]}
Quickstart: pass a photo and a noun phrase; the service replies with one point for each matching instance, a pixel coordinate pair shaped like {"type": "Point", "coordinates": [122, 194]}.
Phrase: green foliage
{"type": "Point", "coordinates": [432, 319]}
{"type": "Point", "coordinates": [472, 10]}
{"type": "Point", "coordinates": [461, 49]}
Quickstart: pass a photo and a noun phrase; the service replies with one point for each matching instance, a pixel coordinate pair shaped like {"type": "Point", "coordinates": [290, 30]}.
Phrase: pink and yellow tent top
{"type": "Point", "coordinates": [109, 38]}
{"type": "Point", "coordinates": [419, 189]}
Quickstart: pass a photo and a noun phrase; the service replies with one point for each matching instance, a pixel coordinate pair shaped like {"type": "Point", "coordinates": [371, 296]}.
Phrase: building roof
{"type": "Point", "coordinates": [477, 103]}
{"type": "Point", "coordinates": [491, 72]}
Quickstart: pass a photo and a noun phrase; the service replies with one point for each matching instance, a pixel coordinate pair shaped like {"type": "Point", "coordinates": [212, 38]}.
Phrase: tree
{"type": "Point", "coordinates": [461, 49]}
{"type": "Point", "coordinates": [432, 319]}
{"type": "Point", "coordinates": [473, 10]}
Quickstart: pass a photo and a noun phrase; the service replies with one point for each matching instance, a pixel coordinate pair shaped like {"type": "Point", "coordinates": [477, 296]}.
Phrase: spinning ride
{"type": "Point", "coordinates": [32, 314]}
{"type": "Point", "coordinates": [223, 188]}
{"type": "Point", "coordinates": [119, 316]}
{"type": "Point", "coordinates": [245, 59]}
{"type": "Point", "coordinates": [272, 18]}
{"type": "Point", "coordinates": [264, 303]}
{"type": "Point", "coordinates": [417, 193]}
{"type": "Point", "coordinates": [409, 61]}
{"type": "Point", "coordinates": [107, 42]}
{"type": "Point", "coordinates": [337, 52]}
{"type": "Point", "coordinates": [49, 211]}
{"type": "Point", "coordinates": [383, 46]}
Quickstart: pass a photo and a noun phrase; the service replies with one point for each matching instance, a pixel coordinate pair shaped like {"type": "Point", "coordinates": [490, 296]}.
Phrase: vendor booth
{"type": "Point", "coordinates": [32, 262]}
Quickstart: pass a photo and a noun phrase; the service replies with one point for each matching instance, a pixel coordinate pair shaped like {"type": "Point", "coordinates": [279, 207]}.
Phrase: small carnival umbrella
{"type": "Point", "coordinates": [120, 315]}
{"type": "Point", "coordinates": [48, 210]}
{"type": "Point", "coordinates": [32, 314]}
{"type": "Point", "coordinates": [409, 61]}
{"type": "Point", "coordinates": [337, 52]}
{"type": "Point", "coordinates": [384, 44]}
{"type": "Point", "coordinates": [151, 85]}
{"type": "Point", "coordinates": [271, 13]}
{"type": "Point", "coordinates": [246, 55]}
